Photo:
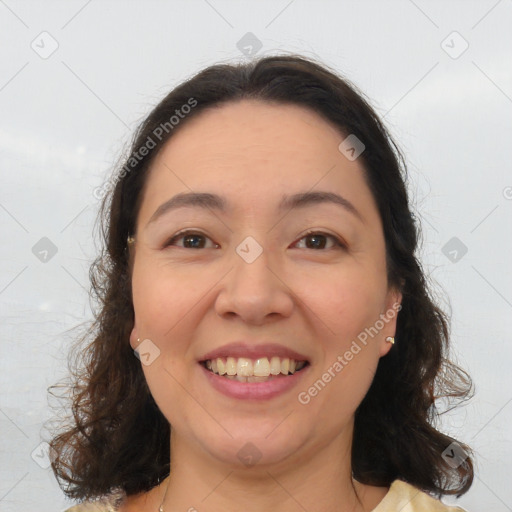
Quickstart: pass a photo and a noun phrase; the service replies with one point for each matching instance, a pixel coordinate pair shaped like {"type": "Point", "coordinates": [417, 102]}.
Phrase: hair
{"type": "Point", "coordinates": [118, 439]}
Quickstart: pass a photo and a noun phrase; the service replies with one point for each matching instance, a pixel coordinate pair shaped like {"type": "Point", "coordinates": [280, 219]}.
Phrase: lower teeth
{"type": "Point", "coordinates": [252, 378]}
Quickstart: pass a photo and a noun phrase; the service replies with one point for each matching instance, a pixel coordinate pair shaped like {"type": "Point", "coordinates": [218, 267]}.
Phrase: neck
{"type": "Point", "coordinates": [200, 482]}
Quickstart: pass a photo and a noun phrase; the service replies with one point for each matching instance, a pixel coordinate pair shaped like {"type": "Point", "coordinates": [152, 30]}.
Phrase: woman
{"type": "Point", "coordinates": [260, 264]}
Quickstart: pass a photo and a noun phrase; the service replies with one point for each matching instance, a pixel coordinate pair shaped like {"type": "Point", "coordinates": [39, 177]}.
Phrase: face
{"type": "Point", "coordinates": [258, 282]}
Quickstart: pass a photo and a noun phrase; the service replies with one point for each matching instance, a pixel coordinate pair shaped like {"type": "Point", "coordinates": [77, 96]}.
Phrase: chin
{"type": "Point", "coordinates": [254, 446]}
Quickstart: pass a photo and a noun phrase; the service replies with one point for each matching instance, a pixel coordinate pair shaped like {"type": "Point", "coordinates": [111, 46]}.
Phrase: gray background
{"type": "Point", "coordinates": [66, 116]}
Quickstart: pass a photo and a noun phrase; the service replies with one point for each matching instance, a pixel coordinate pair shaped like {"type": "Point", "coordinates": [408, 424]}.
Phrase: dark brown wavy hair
{"type": "Point", "coordinates": [116, 438]}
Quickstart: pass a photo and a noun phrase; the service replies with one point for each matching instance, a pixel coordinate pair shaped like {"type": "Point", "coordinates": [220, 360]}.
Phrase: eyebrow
{"type": "Point", "coordinates": [215, 202]}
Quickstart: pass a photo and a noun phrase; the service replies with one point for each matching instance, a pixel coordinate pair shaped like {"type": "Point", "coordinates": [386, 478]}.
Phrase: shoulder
{"type": "Point", "coordinates": [91, 507]}
{"type": "Point", "coordinates": [107, 503]}
{"type": "Point", "coordinates": [407, 498]}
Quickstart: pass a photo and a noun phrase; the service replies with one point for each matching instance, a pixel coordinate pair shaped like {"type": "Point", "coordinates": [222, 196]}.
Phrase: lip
{"type": "Point", "coordinates": [253, 351]}
{"type": "Point", "coordinates": [254, 390]}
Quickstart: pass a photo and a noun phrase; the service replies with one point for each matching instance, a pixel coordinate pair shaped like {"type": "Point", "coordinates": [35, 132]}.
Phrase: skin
{"type": "Point", "coordinates": [189, 301]}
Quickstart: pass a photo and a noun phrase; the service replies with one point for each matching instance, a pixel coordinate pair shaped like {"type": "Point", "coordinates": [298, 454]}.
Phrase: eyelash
{"type": "Point", "coordinates": [337, 242]}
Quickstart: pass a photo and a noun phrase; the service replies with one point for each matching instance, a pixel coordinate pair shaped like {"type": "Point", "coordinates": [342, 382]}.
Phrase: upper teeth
{"type": "Point", "coordinates": [261, 367]}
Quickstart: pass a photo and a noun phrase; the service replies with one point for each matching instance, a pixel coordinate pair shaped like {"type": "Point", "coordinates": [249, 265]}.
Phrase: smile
{"type": "Point", "coordinates": [261, 369]}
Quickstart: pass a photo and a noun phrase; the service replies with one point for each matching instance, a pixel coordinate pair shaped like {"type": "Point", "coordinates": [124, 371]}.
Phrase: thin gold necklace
{"type": "Point", "coordinates": [161, 508]}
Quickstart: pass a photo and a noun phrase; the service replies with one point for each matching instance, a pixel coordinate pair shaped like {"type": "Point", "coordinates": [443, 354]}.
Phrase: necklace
{"type": "Point", "coordinates": [161, 507]}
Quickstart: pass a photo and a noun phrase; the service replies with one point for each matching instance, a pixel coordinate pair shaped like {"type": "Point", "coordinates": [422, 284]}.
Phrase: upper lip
{"type": "Point", "coordinates": [253, 351]}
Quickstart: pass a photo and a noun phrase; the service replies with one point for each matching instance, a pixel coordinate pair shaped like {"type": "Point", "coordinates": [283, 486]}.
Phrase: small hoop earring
{"type": "Point", "coordinates": [391, 340]}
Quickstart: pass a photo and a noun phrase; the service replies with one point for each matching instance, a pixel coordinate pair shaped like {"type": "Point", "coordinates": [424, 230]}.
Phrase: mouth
{"type": "Point", "coordinates": [261, 369]}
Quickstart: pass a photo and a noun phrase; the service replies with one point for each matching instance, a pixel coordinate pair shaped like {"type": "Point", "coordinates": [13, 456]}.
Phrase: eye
{"type": "Point", "coordinates": [196, 240]}
{"type": "Point", "coordinates": [319, 239]}
{"type": "Point", "coordinates": [191, 240]}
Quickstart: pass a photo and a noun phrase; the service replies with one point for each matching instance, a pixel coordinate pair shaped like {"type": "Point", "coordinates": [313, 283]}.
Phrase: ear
{"type": "Point", "coordinates": [389, 316]}
{"type": "Point", "coordinates": [134, 336]}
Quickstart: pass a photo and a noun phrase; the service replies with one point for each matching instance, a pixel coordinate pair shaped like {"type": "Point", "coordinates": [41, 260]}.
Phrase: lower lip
{"type": "Point", "coordinates": [253, 390]}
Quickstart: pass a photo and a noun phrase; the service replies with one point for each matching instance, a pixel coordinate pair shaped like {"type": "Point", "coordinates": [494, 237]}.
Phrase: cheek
{"type": "Point", "coordinates": [170, 397]}
{"type": "Point", "coordinates": [337, 402]}
{"type": "Point", "coordinates": [347, 303]}
{"type": "Point", "coordinates": [345, 300]}
{"type": "Point", "coordinates": [162, 297]}
{"type": "Point", "coordinates": [163, 303]}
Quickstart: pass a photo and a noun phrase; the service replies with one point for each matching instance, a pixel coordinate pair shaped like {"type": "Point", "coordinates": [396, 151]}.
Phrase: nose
{"type": "Point", "coordinates": [255, 292]}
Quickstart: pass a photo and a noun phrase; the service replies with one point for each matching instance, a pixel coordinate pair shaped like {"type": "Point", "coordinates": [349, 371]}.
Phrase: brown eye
{"type": "Point", "coordinates": [191, 240]}
{"type": "Point", "coordinates": [319, 241]}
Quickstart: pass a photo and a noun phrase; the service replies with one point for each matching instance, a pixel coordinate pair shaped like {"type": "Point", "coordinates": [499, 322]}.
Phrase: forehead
{"type": "Point", "coordinates": [254, 129]}
{"type": "Point", "coordinates": [252, 152]}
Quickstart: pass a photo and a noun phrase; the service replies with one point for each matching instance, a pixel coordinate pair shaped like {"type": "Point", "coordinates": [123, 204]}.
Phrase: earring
{"type": "Point", "coordinates": [130, 240]}
{"type": "Point", "coordinates": [391, 340]}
